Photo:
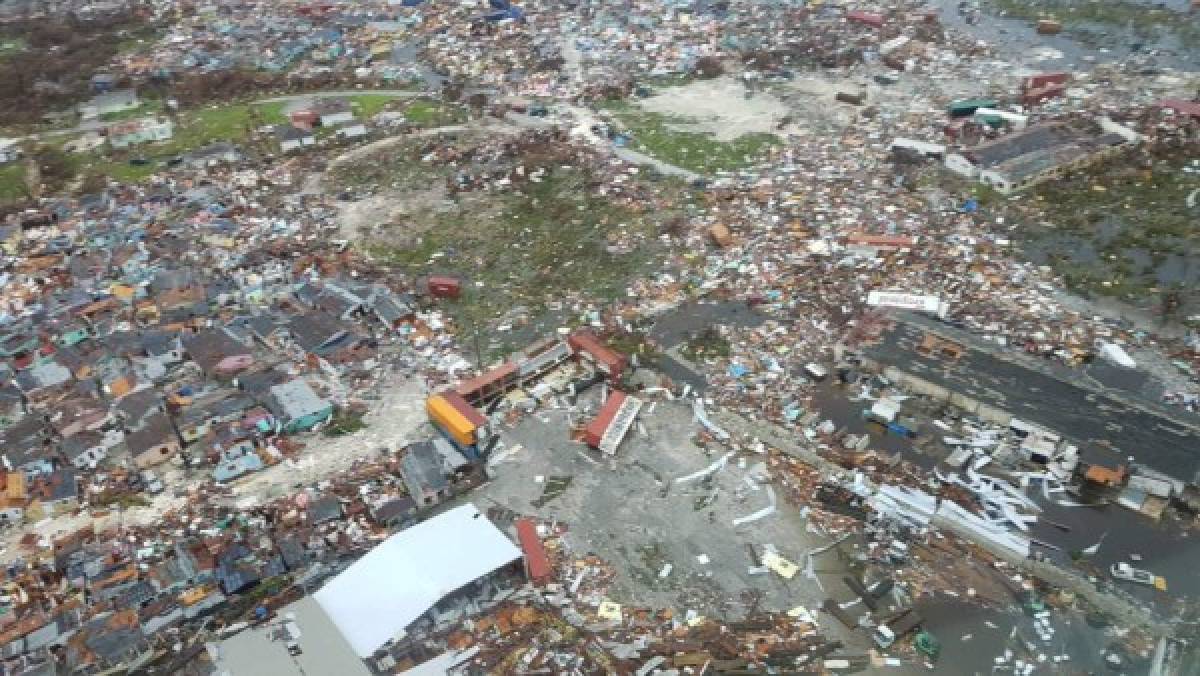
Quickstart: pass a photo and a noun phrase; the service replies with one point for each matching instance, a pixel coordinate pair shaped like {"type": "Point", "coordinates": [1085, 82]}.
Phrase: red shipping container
{"type": "Point", "coordinates": [1043, 79]}
{"type": "Point", "coordinates": [609, 361]}
{"type": "Point", "coordinates": [537, 564]}
{"type": "Point", "coordinates": [466, 410]}
{"type": "Point", "coordinates": [498, 379]}
{"type": "Point", "coordinates": [869, 18]}
{"type": "Point", "coordinates": [594, 432]}
{"type": "Point", "coordinates": [1035, 96]}
{"type": "Point", "coordinates": [444, 287]}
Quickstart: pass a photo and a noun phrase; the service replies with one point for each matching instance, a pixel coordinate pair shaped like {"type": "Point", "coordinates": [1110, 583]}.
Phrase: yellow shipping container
{"type": "Point", "coordinates": [445, 416]}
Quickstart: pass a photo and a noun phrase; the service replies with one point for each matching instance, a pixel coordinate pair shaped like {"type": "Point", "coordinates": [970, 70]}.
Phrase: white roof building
{"type": "Point", "coordinates": [379, 596]}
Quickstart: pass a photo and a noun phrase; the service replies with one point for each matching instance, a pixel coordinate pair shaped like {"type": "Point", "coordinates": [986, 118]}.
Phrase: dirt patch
{"type": "Point", "coordinates": [379, 214]}
{"type": "Point", "coordinates": [718, 107]}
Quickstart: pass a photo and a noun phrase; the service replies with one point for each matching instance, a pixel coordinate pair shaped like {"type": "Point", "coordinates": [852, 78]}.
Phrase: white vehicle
{"type": "Point", "coordinates": [1126, 572]}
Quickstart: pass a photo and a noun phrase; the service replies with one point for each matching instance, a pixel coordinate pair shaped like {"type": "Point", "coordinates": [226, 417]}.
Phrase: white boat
{"type": "Point", "coordinates": [1124, 571]}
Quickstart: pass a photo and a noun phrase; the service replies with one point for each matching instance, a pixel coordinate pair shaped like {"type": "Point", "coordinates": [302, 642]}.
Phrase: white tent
{"type": "Point", "coordinates": [379, 596]}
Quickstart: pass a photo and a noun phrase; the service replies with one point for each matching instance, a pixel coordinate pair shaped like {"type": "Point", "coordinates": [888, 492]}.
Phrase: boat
{"type": "Point", "coordinates": [1126, 572]}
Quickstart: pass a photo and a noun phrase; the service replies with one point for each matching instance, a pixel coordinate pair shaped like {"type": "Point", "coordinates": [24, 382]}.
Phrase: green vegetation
{"type": "Point", "coordinates": [533, 245]}
{"type": "Point", "coordinates": [345, 422]}
{"type": "Point", "coordinates": [706, 344]}
{"type": "Point", "coordinates": [427, 113]}
{"type": "Point", "coordinates": [1120, 231]}
{"type": "Point", "coordinates": [369, 105]}
{"type": "Point", "coordinates": [231, 122]}
{"type": "Point", "coordinates": [1141, 19]}
{"type": "Point", "coordinates": [12, 45]}
{"type": "Point", "coordinates": [653, 134]}
{"type": "Point", "coordinates": [151, 107]}
{"type": "Point", "coordinates": [12, 181]}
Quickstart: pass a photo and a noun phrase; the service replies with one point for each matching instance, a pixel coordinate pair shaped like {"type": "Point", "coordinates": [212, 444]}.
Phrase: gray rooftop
{"type": "Point", "coordinates": [262, 651]}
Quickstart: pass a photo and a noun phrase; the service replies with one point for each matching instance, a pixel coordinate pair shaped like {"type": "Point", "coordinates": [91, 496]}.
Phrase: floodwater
{"type": "Point", "coordinates": [1017, 38]}
{"type": "Point", "coordinates": [972, 637]}
{"type": "Point", "coordinates": [1167, 549]}
{"type": "Point", "coordinates": [833, 402]}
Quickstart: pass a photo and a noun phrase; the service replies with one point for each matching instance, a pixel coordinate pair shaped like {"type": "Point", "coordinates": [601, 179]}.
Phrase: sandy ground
{"type": "Point", "coordinates": [718, 107]}
{"type": "Point", "coordinates": [396, 419]}
{"type": "Point", "coordinates": [357, 220]}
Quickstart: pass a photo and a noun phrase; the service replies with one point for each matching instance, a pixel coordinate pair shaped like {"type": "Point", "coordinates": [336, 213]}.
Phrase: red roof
{"type": "Point", "coordinates": [537, 564]}
{"type": "Point", "coordinates": [869, 18]}
{"type": "Point", "coordinates": [881, 240]}
{"type": "Point", "coordinates": [1043, 79]}
{"type": "Point", "coordinates": [468, 411]}
{"type": "Point", "coordinates": [1190, 108]}
{"type": "Point", "coordinates": [609, 360]}
{"type": "Point", "coordinates": [491, 381]}
{"type": "Point", "coordinates": [594, 432]}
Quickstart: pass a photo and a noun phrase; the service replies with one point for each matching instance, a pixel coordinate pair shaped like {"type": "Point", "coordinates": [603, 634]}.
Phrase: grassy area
{"type": "Point", "coordinates": [146, 108]}
{"type": "Point", "coordinates": [426, 113]}
{"type": "Point", "coordinates": [12, 181]}
{"type": "Point", "coordinates": [534, 245]}
{"type": "Point", "coordinates": [1141, 19]}
{"type": "Point", "coordinates": [367, 106]}
{"type": "Point", "coordinates": [700, 152]}
{"type": "Point", "coordinates": [12, 45]}
{"type": "Point", "coordinates": [1120, 231]}
{"type": "Point", "coordinates": [193, 129]}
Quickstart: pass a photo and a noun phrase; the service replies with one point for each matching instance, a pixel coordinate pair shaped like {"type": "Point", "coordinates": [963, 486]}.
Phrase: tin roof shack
{"type": "Point", "coordinates": [297, 407]}
{"type": "Point", "coordinates": [426, 473]}
{"type": "Point", "coordinates": [154, 442]}
{"type": "Point", "coordinates": [1027, 157]}
{"type": "Point", "coordinates": [217, 352]}
{"type": "Point", "coordinates": [589, 349]}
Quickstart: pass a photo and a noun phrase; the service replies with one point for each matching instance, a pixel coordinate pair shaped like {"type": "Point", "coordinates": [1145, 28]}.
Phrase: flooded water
{"type": "Point", "coordinates": [1078, 45]}
{"type": "Point", "coordinates": [675, 325]}
{"type": "Point", "coordinates": [972, 638]}
{"type": "Point", "coordinates": [1166, 548]}
{"type": "Point", "coordinates": [833, 402]}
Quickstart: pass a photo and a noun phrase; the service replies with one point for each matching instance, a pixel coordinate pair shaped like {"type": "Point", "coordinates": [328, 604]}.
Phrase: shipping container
{"type": "Point", "coordinates": [1043, 79]}
{"type": "Point", "coordinates": [444, 287]}
{"type": "Point", "coordinates": [460, 428]}
{"type": "Point", "coordinates": [586, 345]}
{"type": "Point", "coordinates": [487, 385]}
{"type": "Point", "coordinates": [594, 432]}
{"type": "Point", "coordinates": [1049, 27]}
{"type": "Point", "coordinates": [537, 564]}
{"type": "Point", "coordinates": [856, 98]}
{"type": "Point", "coordinates": [867, 18]}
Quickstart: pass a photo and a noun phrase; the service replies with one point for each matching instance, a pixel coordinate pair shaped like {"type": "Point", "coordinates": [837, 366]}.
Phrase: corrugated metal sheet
{"type": "Point", "coordinates": [498, 379]}
{"type": "Point", "coordinates": [609, 361]}
{"type": "Point", "coordinates": [594, 432]}
{"type": "Point", "coordinates": [537, 564]}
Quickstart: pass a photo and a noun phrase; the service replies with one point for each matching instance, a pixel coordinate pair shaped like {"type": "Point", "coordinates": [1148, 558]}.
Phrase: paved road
{"type": "Point", "coordinates": [342, 92]}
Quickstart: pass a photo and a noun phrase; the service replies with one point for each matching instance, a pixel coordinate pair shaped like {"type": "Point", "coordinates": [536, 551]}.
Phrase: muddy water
{"type": "Point", "coordinates": [1017, 38]}
{"type": "Point", "coordinates": [972, 637]}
